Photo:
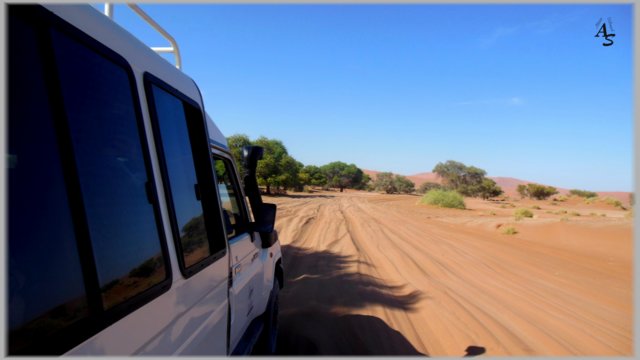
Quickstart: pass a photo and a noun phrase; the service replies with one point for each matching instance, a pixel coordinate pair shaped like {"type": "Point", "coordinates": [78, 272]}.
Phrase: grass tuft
{"type": "Point", "coordinates": [523, 213]}
{"type": "Point", "coordinates": [444, 198]}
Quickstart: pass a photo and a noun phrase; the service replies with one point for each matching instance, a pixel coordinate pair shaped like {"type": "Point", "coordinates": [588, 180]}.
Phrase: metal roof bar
{"type": "Point", "coordinates": [108, 11]}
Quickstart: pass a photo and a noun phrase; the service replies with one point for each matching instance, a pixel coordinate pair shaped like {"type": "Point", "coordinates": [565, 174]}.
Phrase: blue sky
{"type": "Point", "coordinates": [525, 91]}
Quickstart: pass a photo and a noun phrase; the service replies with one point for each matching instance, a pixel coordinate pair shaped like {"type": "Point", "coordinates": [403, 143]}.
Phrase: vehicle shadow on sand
{"type": "Point", "coordinates": [320, 289]}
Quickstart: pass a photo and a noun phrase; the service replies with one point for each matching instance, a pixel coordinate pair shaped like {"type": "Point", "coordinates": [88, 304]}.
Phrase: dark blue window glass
{"type": "Point", "coordinates": [106, 140]}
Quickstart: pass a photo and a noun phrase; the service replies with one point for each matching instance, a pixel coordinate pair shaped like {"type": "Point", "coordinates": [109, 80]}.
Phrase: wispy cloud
{"type": "Point", "coordinates": [544, 26]}
{"type": "Point", "coordinates": [498, 34]}
{"type": "Point", "coordinates": [510, 101]}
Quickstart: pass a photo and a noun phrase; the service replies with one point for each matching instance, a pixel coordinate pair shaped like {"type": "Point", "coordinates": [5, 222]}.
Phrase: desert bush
{"type": "Point", "coordinates": [561, 212]}
{"type": "Point", "coordinates": [426, 187]}
{"type": "Point", "coordinates": [603, 215]}
{"type": "Point", "coordinates": [523, 213]}
{"type": "Point", "coordinates": [404, 185]}
{"type": "Point", "coordinates": [593, 214]}
{"type": "Point", "coordinates": [574, 213]}
{"type": "Point", "coordinates": [560, 198]}
{"type": "Point", "coordinates": [614, 202]}
{"type": "Point", "coordinates": [583, 193]}
{"type": "Point", "coordinates": [510, 231]}
{"type": "Point", "coordinates": [307, 189]}
{"type": "Point", "coordinates": [564, 218]}
{"type": "Point", "coordinates": [536, 207]}
{"type": "Point", "coordinates": [536, 191]}
{"type": "Point", "coordinates": [444, 198]}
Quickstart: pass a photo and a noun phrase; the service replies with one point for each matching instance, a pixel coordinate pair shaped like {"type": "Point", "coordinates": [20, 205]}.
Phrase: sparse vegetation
{"type": "Point", "coordinates": [536, 191]}
{"type": "Point", "coordinates": [444, 198]}
{"type": "Point", "coordinates": [564, 218]}
{"type": "Point", "coordinates": [560, 198]}
{"type": "Point", "coordinates": [523, 213]}
{"type": "Point", "coordinates": [510, 231]}
{"type": "Point", "coordinates": [425, 187]}
{"type": "Point", "coordinates": [536, 207]}
{"type": "Point", "coordinates": [614, 202]}
{"type": "Point", "coordinates": [574, 213]}
{"type": "Point", "coordinates": [583, 193]}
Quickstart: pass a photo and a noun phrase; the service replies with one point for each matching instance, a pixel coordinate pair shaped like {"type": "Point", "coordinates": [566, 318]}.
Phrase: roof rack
{"type": "Point", "coordinates": [108, 11]}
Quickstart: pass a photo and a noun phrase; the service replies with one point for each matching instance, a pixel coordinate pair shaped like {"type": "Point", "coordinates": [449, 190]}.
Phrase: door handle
{"type": "Point", "coordinates": [237, 268]}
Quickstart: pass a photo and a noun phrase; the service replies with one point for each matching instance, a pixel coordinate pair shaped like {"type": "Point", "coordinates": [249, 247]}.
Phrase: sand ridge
{"type": "Point", "coordinates": [373, 274]}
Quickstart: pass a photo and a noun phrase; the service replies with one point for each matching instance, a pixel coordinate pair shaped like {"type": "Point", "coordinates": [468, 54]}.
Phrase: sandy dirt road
{"type": "Point", "coordinates": [373, 274]}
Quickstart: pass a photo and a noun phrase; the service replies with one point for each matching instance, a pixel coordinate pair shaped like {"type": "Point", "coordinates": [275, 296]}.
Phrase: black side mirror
{"type": "Point", "coordinates": [265, 223]}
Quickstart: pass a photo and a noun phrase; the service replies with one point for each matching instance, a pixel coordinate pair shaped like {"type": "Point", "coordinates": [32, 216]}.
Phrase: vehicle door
{"type": "Point", "coordinates": [245, 267]}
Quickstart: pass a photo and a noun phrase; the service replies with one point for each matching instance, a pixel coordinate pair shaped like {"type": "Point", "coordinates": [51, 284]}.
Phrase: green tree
{"type": "Point", "coordinates": [312, 175]}
{"type": "Point", "coordinates": [404, 185]}
{"type": "Point", "coordinates": [270, 170]}
{"type": "Point", "coordinates": [489, 189]}
{"type": "Point", "coordinates": [385, 182]}
{"type": "Point", "coordinates": [466, 180]}
{"type": "Point", "coordinates": [425, 187]}
{"type": "Point", "coordinates": [342, 175]}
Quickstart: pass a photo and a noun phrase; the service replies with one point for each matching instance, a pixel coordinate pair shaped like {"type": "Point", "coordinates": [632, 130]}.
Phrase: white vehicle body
{"type": "Point", "coordinates": [204, 310]}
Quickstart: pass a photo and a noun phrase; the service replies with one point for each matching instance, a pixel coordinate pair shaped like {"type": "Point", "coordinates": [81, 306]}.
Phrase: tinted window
{"type": "Point", "coordinates": [46, 288]}
{"type": "Point", "coordinates": [180, 167]}
{"type": "Point", "coordinates": [230, 196]}
{"type": "Point", "coordinates": [111, 169]}
{"type": "Point", "coordinates": [83, 235]}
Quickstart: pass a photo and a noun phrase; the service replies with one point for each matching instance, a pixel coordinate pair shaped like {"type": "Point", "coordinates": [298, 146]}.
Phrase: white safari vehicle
{"type": "Point", "coordinates": [129, 231]}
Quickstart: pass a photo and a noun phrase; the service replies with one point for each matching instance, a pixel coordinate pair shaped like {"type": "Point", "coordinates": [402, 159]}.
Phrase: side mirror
{"type": "Point", "coordinates": [265, 223]}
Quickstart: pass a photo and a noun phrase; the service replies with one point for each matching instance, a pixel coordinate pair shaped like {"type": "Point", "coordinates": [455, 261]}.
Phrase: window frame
{"type": "Point", "coordinates": [209, 198]}
{"type": "Point", "coordinates": [44, 22]}
{"type": "Point", "coordinates": [227, 159]}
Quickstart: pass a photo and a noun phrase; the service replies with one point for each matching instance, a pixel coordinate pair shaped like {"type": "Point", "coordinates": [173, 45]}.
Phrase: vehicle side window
{"type": "Point", "coordinates": [180, 129]}
{"type": "Point", "coordinates": [111, 169]}
{"type": "Point", "coordinates": [84, 242]}
{"type": "Point", "coordinates": [46, 286]}
{"type": "Point", "coordinates": [233, 213]}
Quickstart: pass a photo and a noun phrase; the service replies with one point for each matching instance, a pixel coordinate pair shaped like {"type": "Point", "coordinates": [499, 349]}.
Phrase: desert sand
{"type": "Point", "coordinates": [374, 274]}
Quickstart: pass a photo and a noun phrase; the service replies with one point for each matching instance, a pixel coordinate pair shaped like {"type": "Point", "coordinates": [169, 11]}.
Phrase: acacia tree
{"type": "Point", "coordinates": [404, 185]}
{"type": "Point", "coordinates": [385, 182]}
{"type": "Point", "coordinates": [342, 175]}
{"type": "Point", "coordinates": [390, 183]}
{"type": "Point", "coordinates": [312, 175]}
{"type": "Point", "coordinates": [277, 168]}
{"type": "Point", "coordinates": [467, 180]}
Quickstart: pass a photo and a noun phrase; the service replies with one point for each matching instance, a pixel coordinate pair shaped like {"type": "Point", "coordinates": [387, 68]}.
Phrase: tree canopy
{"type": "Point", "coordinates": [467, 180]}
